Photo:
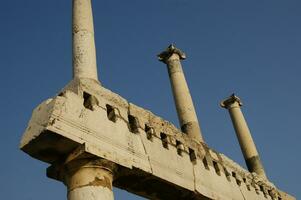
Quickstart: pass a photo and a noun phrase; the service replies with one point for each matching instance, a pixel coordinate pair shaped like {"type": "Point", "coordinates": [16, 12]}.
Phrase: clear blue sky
{"type": "Point", "coordinates": [248, 47]}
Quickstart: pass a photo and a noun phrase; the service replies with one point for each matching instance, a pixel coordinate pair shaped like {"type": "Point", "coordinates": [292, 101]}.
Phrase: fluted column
{"type": "Point", "coordinates": [184, 105]}
{"type": "Point", "coordinates": [247, 145]}
{"type": "Point", "coordinates": [89, 179]}
{"type": "Point", "coordinates": [84, 53]}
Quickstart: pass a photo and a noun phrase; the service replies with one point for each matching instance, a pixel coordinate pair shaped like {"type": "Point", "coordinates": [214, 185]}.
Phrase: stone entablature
{"type": "Point", "coordinates": [147, 149]}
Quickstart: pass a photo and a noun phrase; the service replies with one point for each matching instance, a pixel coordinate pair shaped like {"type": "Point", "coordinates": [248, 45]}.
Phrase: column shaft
{"type": "Point", "coordinates": [184, 105]}
{"type": "Point", "coordinates": [84, 53]}
{"type": "Point", "coordinates": [244, 136]}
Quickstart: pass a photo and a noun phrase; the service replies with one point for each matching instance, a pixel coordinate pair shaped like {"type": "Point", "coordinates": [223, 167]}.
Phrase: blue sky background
{"type": "Point", "coordinates": [248, 47]}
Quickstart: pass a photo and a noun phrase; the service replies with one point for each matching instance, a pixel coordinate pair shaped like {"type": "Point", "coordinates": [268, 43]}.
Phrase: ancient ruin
{"type": "Point", "coordinates": [94, 139]}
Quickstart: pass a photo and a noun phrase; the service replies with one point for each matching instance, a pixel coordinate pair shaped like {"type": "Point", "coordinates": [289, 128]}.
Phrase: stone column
{"type": "Point", "coordinates": [84, 53]}
{"type": "Point", "coordinates": [184, 105]}
{"type": "Point", "coordinates": [89, 179]}
{"type": "Point", "coordinates": [247, 145]}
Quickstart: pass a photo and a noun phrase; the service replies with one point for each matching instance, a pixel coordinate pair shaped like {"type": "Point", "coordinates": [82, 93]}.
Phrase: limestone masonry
{"type": "Point", "coordinates": [94, 139]}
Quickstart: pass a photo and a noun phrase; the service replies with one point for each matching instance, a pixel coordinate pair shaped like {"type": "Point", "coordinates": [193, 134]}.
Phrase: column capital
{"type": "Point", "coordinates": [226, 103]}
{"type": "Point", "coordinates": [88, 172]}
{"type": "Point", "coordinates": [171, 49]}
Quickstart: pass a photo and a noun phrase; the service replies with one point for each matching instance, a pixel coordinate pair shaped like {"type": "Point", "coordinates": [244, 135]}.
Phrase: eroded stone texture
{"type": "Point", "coordinates": [147, 165]}
{"type": "Point", "coordinates": [88, 179]}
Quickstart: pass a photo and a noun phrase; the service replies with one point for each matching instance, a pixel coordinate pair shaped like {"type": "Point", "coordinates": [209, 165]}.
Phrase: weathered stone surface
{"type": "Point", "coordinates": [247, 145]}
{"type": "Point", "coordinates": [184, 104]}
{"type": "Point", "coordinates": [88, 178]}
{"type": "Point", "coordinates": [145, 165]}
{"type": "Point", "coordinates": [83, 46]}
{"type": "Point", "coordinates": [93, 139]}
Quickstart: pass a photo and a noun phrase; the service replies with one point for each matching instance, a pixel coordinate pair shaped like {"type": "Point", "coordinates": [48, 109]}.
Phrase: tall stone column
{"type": "Point", "coordinates": [247, 145]}
{"type": "Point", "coordinates": [84, 53]}
{"type": "Point", "coordinates": [184, 105]}
{"type": "Point", "coordinates": [89, 179]}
